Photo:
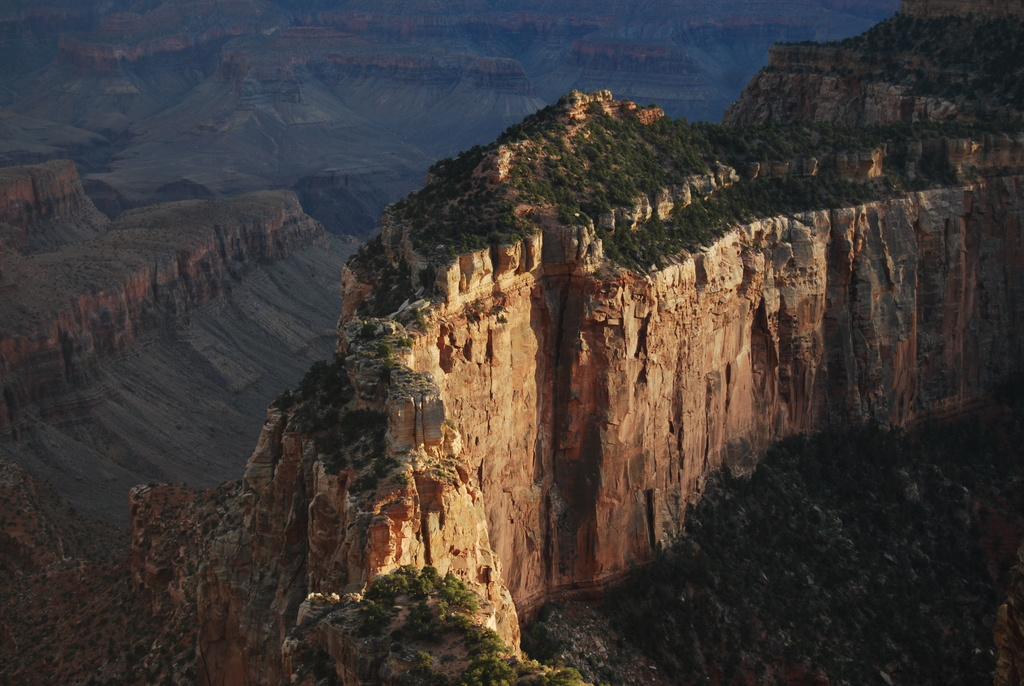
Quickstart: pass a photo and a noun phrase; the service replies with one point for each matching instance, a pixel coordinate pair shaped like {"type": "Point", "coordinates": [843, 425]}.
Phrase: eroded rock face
{"type": "Point", "coordinates": [95, 298]}
{"type": "Point", "coordinates": [580, 408]}
{"type": "Point", "coordinates": [857, 83]}
{"type": "Point", "coordinates": [309, 529]}
{"type": "Point", "coordinates": [593, 404]}
{"type": "Point", "coordinates": [45, 206]}
{"type": "Point", "coordinates": [829, 83]}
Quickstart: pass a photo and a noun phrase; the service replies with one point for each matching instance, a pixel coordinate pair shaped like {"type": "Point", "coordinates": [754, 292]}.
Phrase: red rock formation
{"type": "Point", "coordinates": [578, 425]}
{"type": "Point", "coordinates": [308, 529]}
{"type": "Point", "coordinates": [590, 428]}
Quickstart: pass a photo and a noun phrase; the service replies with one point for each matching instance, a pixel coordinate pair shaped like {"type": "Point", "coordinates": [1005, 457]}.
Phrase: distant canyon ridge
{"type": "Point", "coordinates": [347, 103]}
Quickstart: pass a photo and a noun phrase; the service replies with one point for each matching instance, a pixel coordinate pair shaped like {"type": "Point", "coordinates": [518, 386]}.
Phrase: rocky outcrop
{"type": "Point", "coordinates": [818, 83]}
{"type": "Point", "coordinates": [899, 71]}
{"type": "Point", "coordinates": [46, 205]}
{"type": "Point", "coordinates": [589, 427]}
{"type": "Point", "coordinates": [93, 299]}
{"type": "Point", "coordinates": [311, 528]}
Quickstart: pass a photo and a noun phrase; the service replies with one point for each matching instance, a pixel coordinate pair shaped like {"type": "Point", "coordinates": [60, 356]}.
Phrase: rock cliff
{"type": "Point", "coordinates": [589, 427]}
{"type": "Point", "coordinates": [905, 69]}
{"type": "Point", "coordinates": [46, 206]}
{"type": "Point", "coordinates": [574, 408]}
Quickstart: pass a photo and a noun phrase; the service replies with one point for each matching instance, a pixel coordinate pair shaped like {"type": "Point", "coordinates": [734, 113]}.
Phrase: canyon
{"type": "Point", "coordinates": [348, 103]}
{"type": "Point", "coordinates": [532, 417]}
{"type": "Point", "coordinates": [106, 326]}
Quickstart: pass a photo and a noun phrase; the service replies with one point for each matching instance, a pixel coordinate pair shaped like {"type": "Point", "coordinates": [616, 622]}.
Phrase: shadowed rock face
{"type": "Point", "coordinates": [45, 206]}
{"type": "Point", "coordinates": [877, 79]}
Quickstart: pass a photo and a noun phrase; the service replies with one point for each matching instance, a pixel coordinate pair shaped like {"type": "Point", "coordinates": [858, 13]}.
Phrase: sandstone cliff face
{"type": "Point", "coordinates": [578, 424]}
{"type": "Point", "coordinates": [310, 528]}
{"type": "Point", "coordinates": [590, 427]}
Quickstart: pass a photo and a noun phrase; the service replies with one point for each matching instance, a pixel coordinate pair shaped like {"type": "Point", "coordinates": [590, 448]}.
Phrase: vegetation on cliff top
{"type": "Point", "coordinates": [431, 623]}
{"type": "Point", "coordinates": [323, 407]}
{"type": "Point", "coordinates": [856, 555]}
{"type": "Point", "coordinates": [955, 57]}
{"type": "Point", "coordinates": [579, 165]}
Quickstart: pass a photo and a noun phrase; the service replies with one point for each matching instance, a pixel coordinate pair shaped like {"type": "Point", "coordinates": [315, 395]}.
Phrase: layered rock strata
{"type": "Point", "coordinates": [905, 69]}
{"type": "Point", "coordinates": [312, 528]}
{"type": "Point", "coordinates": [94, 298]}
{"type": "Point", "coordinates": [44, 206]}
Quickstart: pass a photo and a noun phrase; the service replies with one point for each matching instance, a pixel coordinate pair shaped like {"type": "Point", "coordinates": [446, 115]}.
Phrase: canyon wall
{"type": "Point", "coordinates": [309, 527]}
{"type": "Point", "coordinates": [593, 404]}
{"type": "Point", "coordinates": [901, 70]}
{"type": "Point", "coordinates": [96, 297]}
{"type": "Point", "coordinates": [145, 350]}
{"type": "Point", "coordinates": [580, 407]}
{"type": "Point", "coordinates": [44, 206]}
